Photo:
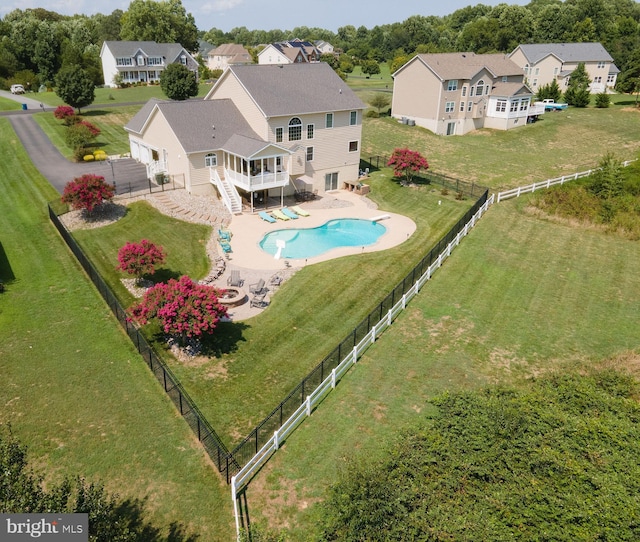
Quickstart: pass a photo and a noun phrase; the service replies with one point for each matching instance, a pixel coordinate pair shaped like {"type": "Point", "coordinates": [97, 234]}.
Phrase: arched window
{"type": "Point", "coordinates": [480, 87]}
{"type": "Point", "coordinates": [295, 129]}
{"type": "Point", "coordinates": [211, 160]}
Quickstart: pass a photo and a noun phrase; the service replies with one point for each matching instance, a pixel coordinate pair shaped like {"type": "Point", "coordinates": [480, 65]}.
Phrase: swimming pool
{"type": "Point", "coordinates": [309, 242]}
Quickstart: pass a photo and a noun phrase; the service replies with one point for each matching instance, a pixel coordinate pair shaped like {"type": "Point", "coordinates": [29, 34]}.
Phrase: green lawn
{"type": "Point", "coordinates": [519, 297]}
{"type": "Point", "coordinates": [74, 389]}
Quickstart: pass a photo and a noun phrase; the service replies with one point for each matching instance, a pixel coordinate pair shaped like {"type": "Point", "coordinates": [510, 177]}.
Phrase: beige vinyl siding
{"type": "Point", "coordinates": [231, 88]}
{"type": "Point", "coordinates": [199, 173]}
{"type": "Point", "coordinates": [416, 94]}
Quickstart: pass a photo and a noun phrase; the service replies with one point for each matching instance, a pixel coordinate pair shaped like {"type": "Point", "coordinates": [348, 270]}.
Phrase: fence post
{"type": "Point", "coordinates": [333, 379]}
{"type": "Point", "coordinates": [276, 440]}
{"type": "Point", "coordinates": [308, 405]}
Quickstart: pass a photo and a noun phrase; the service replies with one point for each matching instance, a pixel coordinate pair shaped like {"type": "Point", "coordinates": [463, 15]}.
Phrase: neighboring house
{"type": "Point", "coordinates": [289, 52]}
{"type": "Point", "coordinates": [324, 47]}
{"type": "Point", "coordinates": [203, 49]}
{"type": "Point", "coordinates": [261, 131]}
{"type": "Point", "coordinates": [141, 61]}
{"type": "Point", "coordinates": [544, 62]}
{"type": "Point", "coordinates": [228, 54]}
{"type": "Point", "coordinates": [455, 93]}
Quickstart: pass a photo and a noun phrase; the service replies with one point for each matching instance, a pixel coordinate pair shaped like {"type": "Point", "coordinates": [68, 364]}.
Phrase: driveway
{"type": "Point", "coordinates": [127, 174]}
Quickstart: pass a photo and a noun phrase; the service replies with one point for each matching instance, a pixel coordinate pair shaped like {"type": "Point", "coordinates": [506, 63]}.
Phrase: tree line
{"type": "Point", "coordinates": [35, 44]}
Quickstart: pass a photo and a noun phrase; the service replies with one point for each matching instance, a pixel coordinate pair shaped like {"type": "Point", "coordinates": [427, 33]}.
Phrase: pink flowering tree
{"type": "Point", "coordinates": [185, 309]}
{"type": "Point", "coordinates": [407, 163]}
{"type": "Point", "coordinates": [140, 259]}
{"type": "Point", "coordinates": [65, 113]}
{"type": "Point", "coordinates": [87, 192]}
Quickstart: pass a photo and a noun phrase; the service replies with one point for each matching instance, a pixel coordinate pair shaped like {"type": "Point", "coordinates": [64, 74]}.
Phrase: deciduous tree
{"type": "Point", "coordinates": [140, 259]}
{"type": "Point", "coordinates": [407, 163]}
{"type": "Point", "coordinates": [87, 192]}
{"type": "Point", "coordinates": [178, 82]}
{"type": "Point", "coordinates": [184, 308]}
{"type": "Point", "coordinates": [75, 87]}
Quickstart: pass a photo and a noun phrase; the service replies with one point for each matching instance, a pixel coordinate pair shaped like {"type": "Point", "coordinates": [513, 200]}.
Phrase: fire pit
{"type": "Point", "coordinates": [233, 296]}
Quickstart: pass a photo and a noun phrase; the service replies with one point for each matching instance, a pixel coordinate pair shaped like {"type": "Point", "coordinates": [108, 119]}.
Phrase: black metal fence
{"type": "Point", "coordinates": [210, 440]}
{"type": "Point", "coordinates": [229, 463]}
{"type": "Point", "coordinates": [465, 188]}
{"type": "Point", "coordinates": [265, 429]}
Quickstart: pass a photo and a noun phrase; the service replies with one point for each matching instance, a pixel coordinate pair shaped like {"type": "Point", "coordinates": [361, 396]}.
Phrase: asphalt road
{"type": "Point", "coordinates": [127, 174]}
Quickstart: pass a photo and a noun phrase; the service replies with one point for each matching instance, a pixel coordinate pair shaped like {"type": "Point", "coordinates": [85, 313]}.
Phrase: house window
{"type": "Point", "coordinates": [597, 79]}
{"type": "Point", "coordinates": [504, 79]}
{"type": "Point", "coordinates": [310, 131]}
{"type": "Point", "coordinates": [309, 154]}
{"type": "Point", "coordinates": [353, 146]}
{"type": "Point", "coordinates": [471, 89]}
{"type": "Point", "coordinates": [469, 107]}
{"type": "Point", "coordinates": [610, 79]}
{"type": "Point", "coordinates": [140, 60]}
{"type": "Point", "coordinates": [210, 160]}
{"type": "Point", "coordinates": [464, 90]}
{"type": "Point", "coordinates": [555, 71]}
{"type": "Point", "coordinates": [513, 107]}
{"type": "Point", "coordinates": [183, 60]}
{"type": "Point", "coordinates": [535, 82]}
{"type": "Point", "coordinates": [600, 64]}
{"type": "Point", "coordinates": [295, 129]}
{"type": "Point", "coordinates": [353, 118]}
{"type": "Point", "coordinates": [279, 134]}
{"type": "Point", "coordinates": [537, 71]}
{"type": "Point", "coordinates": [453, 85]}
{"type": "Point", "coordinates": [329, 121]}
{"type": "Point", "coordinates": [155, 61]}
{"type": "Point", "coordinates": [526, 69]}
{"type": "Point", "coordinates": [501, 106]}
{"type": "Point", "coordinates": [524, 104]}
{"type": "Point", "coordinates": [124, 62]}
{"type": "Point", "coordinates": [480, 87]}
{"type": "Point", "coordinates": [449, 107]}
{"type": "Point", "coordinates": [462, 104]}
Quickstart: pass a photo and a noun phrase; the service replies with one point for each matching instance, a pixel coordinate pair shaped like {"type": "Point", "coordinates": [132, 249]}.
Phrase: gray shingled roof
{"type": "Point", "coordinates": [193, 121]}
{"type": "Point", "coordinates": [465, 65]}
{"type": "Point", "coordinates": [150, 48]}
{"type": "Point", "coordinates": [509, 89]}
{"type": "Point", "coordinates": [567, 52]}
{"type": "Point", "coordinates": [296, 89]}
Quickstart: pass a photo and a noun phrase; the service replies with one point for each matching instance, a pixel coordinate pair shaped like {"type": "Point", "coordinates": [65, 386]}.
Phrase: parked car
{"type": "Point", "coordinates": [17, 89]}
{"type": "Point", "coordinates": [551, 105]}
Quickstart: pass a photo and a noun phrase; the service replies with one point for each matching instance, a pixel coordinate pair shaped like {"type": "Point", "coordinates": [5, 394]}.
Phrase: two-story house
{"type": "Point", "coordinates": [455, 93]}
{"type": "Point", "coordinates": [544, 62]}
{"type": "Point", "coordinates": [261, 131]}
{"type": "Point", "coordinates": [228, 54]}
{"type": "Point", "coordinates": [289, 52]}
{"type": "Point", "coordinates": [141, 61]}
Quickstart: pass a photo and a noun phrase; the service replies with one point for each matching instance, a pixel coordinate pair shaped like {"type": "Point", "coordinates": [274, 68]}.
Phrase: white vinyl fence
{"type": "Point", "coordinates": [242, 478]}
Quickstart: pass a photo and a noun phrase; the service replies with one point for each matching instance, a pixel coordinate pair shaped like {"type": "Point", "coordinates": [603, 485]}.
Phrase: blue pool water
{"type": "Point", "coordinates": [309, 242]}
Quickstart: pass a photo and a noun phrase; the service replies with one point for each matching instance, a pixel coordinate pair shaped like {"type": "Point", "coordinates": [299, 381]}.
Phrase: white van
{"type": "Point", "coordinates": [17, 89]}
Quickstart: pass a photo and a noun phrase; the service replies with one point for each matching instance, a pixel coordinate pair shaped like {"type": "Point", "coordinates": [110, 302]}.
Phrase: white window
{"type": "Point", "coordinates": [449, 107]}
{"type": "Point", "coordinates": [140, 60]}
{"type": "Point", "coordinates": [555, 71]}
{"type": "Point", "coordinates": [453, 85]}
{"type": "Point", "coordinates": [353, 146]}
{"type": "Point", "coordinates": [505, 78]}
{"type": "Point", "coordinates": [155, 61]}
{"type": "Point", "coordinates": [597, 79]}
{"type": "Point", "coordinates": [537, 71]}
{"type": "Point", "coordinates": [353, 118]}
{"type": "Point", "coordinates": [514, 106]}
{"type": "Point", "coordinates": [309, 154]}
{"type": "Point", "coordinates": [124, 62]}
{"type": "Point", "coordinates": [469, 107]}
{"type": "Point", "coordinates": [183, 59]}
{"type": "Point", "coordinates": [526, 69]}
{"type": "Point", "coordinates": [610, 79]}
{"type": "Point", "coordinates": [501, 105]}
{"type": "Point", "coordinates": [310, 130]}
{"type": "Point", "coordinates": [462, 104]}
{"type": "Point", "coordinates": [472, 88]}
{"type": "Point", "coordinates": [210, 160]}
{"type": "Point", "coordinates": [295, 129]}
{"type": "Point", "coordinates": [524, 104]}
{"type": "Point", "coordinates": [464, 90]}
{"type": "Point", "coordinates": [279, 134]}
{"type": "Point", "coordinates": [535, 82]}
{"type": "Point", "coordinates": [329, 121]}
{"type": "Point", "coordinates": [480, 87]}
{"type": "Point", "coordinates": [600, 64]}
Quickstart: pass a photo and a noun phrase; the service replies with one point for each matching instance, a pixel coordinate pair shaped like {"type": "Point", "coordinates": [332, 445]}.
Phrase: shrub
{"type": "Point", "coordinates": [88, 158]}
{"type": "Point", "coordinates": [406, 163]}
{"type": "Point", "coordinates": [602, 100]}
{"type": "Point", "coordinates": [372, 114]}
{"type": "Point", "coordinates": [93, 129]}
{"type": "Point", "coordinates": [185, 309]}
{"type": "Point", "coordinates": [78, 138]}
{"type": "Point", "coordinates": [87, 192]}
{"type": "Point", "coordinates": [140, 258]}
{"type": "Point", "coordinates": [65, 113]}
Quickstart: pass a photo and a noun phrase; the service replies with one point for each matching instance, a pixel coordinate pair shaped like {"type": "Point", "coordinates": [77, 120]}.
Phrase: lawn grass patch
{"type": "Point", "coordinates": [519, 297]}
{"type": "Point", "coordinates": [74, 388]}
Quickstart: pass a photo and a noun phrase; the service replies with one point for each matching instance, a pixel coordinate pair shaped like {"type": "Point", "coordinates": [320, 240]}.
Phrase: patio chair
{"type": "Point", "coordinates": [299, 211]}
{"type": "Point", "coordinates": [234, 279]}
{"type": "Point", "coordinates": [226, 247]}
{"type": "Point", "coordinates": [266, 216]}
{"type": "Point", "coordinates": [289, 213]}
{"type": "Point", "coordinates": [280, 215]}
{"type": "Point", "coordinates": [258, 300]}
{"type": "Point", "coordinates": [258, 287]}
{"type": "Point", "coordinates": [224, 234]}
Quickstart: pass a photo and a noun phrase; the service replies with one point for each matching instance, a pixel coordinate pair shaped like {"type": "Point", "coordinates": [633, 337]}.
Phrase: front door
{"type": "Point", "coordinates": [451, 128]}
